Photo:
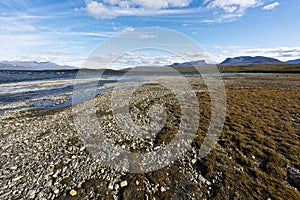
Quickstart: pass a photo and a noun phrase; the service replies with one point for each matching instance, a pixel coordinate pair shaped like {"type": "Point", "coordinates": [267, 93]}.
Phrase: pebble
{"type": "Point", "coordinates": [82, 148]}
{"type": "Point", "coordinates": [124, 183]}
{"type": "Point", "coordinates": [110, 186]}
{"type": "Point", "coordinates": [162, 189]}
{"type": "Point", "coordinates": [56, 191]}
{"type": "Point", "coordinates": [17, 178]}
{"type": "Point", "coordinates": [49, 183]}
{"type": "Point", "coordinates": [73, 192]}
{"type": "Point", "coordinates": [14, 168]}
{"type": "Point", "coordinates": [31, 194]}
{"type": "Point", "coordinates": [137, 182]}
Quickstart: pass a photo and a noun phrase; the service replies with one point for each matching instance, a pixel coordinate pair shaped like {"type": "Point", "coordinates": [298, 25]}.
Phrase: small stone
{"type": "Point", "coordinates": [124, 183]}
{"type": "Point", "coordinates": [41, 195]}
{"type": "Point", "coordinates": [56, 174]}
{"type": "Point", "coordinates": [31, 194]}
{"type": "Point", "coordinates": [156, 148]}
{"type": "Point", "coordinates": [14, 168]}
{"type": "Point", "coordinates": [73, 192]}
{"type": "Point", "coordinates": [102, 171]}
{"type": "Point", "coordinates": [208, 182]}
{"type": "Point", "coordinates": [49, 183]}
{"type": "Point", "coordinates": [162, 189]}
{"type": "Point", "coordinates": [56, 191]}
{"type": "Point", "coordinates": [202, 179]}
{"type": "Point", "coordinates": [117, 186]}
{"type": "Point", "coordinates": [137, 182]}
{"type": "Point", "coordinates": [110, 186]}
{"type": "Point", "coordinates": [17, 178]}
{"type": "Point", "coordinates": [82, 148]}
{"type": "Point", "coordinates": [194, 161]}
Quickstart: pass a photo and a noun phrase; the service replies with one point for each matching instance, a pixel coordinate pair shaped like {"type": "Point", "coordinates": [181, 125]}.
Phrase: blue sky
{"type": "Point", "coordinates": [66, 32]}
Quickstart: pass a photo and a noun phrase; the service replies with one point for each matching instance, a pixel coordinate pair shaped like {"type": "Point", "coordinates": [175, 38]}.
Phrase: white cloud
{"type": "Point", "coordinates": [233, 5]}
{"type": "Point", "coordinates": [140, 58]}
{"type": "Point", "coordinates": [157, 4]}
{"type": "Point", "coordinates": [232, 9]}
{"type": "Point", "coordinates": [116, 8]}
{"type": "Point", "coordinates": [145, 36]}
{"type": "Point", "coordinates": [128, 29]}
{"type": "Point", "coordinates": [282, 53]}
{"type": "Point", "coordinates": [271, 6]}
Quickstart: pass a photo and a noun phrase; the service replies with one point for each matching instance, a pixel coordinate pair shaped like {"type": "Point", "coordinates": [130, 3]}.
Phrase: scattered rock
{"type": "Point", "coordinates": [31, 194]}
{"type": "Point", "coordinates": [56, 191]}
{"type": "Point", "coordinates": [17, 178]}
{"type": "Point", "coordinates": [14, 168]}
{"type": "Point", "coordinates": [110, 186]}
{"type": "Point", "coordinates": [194, 161]}
{"type": "Point", "coordinates": [73, 192]}
{"type": "Point", "coordinates": [49, 183]}
{"type": "Point", "coordinates": [124, 183]}
{"type": "Point", "coordinates": [82, 148]}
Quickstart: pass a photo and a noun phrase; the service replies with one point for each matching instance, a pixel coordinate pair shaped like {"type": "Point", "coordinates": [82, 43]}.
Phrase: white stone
{"type": "Point", "coordinates": [110, 186]}
{"type": "Point", "coordinates": [124, 183]}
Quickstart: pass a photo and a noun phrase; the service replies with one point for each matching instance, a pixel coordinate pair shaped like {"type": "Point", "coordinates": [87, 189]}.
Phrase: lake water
{"type": "Point", "coordinates": [39, 89]}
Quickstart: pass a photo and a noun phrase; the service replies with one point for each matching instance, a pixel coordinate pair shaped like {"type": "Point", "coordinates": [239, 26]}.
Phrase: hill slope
{"type": "Point", "coordinates": [297, 61]}
{"type": "Point", "coordinates": [248, 60]}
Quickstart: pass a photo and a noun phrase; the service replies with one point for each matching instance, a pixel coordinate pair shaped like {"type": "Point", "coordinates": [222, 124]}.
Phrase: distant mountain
{"type": "Point", "coordinates": [297, 61]}
{"type": "Point", "coordinates": [32, 65]}
{"type": "Point", "coordinates": [248, 60]}
{"type": "Point", "coordinates": [189, 64]}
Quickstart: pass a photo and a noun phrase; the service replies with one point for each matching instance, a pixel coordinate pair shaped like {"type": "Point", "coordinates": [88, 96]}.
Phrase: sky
{"type": "Point", "coordinates": [68, 31]}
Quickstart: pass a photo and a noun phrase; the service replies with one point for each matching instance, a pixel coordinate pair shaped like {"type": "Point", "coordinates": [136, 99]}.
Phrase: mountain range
{"type": "Point", "coordinates": [248, 60]}
{"type": "Point", "coordinates": [297, 61]}
{"type": "Point", "coordinates": [236, 61]}
{"type": "Point", "coordinates": [33, 65]}
{"type": "Point", "coordinates": [188, 64]}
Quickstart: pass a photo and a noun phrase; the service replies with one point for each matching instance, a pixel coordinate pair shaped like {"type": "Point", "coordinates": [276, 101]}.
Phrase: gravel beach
{"type": "Point", "coordinates": [256, 157]}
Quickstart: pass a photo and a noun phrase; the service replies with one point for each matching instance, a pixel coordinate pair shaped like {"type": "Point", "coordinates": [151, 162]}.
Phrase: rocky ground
{"type": "Point", "coordinates": [43, 156]}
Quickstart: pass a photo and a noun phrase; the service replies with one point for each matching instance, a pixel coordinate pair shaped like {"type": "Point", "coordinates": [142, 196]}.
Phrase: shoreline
{"type": "Point", "coordinates": [65, 100]}
{"type": "Point", "coordinates": [42, 155]}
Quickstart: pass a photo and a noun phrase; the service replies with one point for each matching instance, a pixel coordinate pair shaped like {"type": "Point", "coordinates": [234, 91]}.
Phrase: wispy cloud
{"type": "Point", "coordinates": [117, 8]}
{"type": "Point", "coordinates": [219, 10]}
{"type": "Point", "coordinates": [271, 6]}
{"type": "Point", "coordinates": [283, 53]}
{"type": "Point", "coordinates": [148, 36]}
{"type": "Point", "coordinates": [231, 9]}
{"type": "Point", "coordinates": [142, 58]}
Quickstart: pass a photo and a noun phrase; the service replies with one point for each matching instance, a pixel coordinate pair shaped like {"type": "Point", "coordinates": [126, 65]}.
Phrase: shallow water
{"type": "Point", "coordinates": [40, 89]}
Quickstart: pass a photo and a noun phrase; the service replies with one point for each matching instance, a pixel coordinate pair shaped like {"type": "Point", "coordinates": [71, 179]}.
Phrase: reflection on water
{"type": "Point", "coordinates": [41, 89]}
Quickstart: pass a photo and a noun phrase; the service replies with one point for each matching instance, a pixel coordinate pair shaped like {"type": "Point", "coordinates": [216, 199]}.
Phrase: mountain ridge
{"type": "Point", "coordinates": [33, 65]}
{"type": "Point", "coordinates": [249, 60]}
{"type": "Point", "coordinates": [296, 61]}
